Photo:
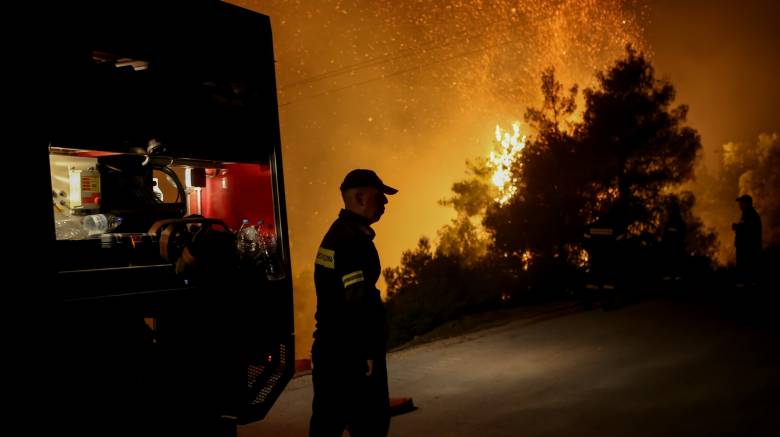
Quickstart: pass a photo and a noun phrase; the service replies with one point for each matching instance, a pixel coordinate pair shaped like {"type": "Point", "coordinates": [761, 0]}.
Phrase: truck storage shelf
{"type": "Point", "coordinates": [115, 282]}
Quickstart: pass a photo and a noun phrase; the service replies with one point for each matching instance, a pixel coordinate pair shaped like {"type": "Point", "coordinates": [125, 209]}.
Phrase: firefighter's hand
{"type": "Point", "coordinates": [370, 365]}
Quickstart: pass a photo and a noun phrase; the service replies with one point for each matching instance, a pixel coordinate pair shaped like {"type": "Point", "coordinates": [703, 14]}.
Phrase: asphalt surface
{"type": "Point", "coordinates": [657, 368]}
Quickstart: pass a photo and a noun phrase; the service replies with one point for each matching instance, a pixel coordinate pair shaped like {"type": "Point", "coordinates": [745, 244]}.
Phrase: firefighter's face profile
{"type": "Point", "coordinates": [374, 202]}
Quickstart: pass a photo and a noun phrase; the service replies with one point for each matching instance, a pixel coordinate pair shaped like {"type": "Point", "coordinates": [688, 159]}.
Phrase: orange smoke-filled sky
{"type": "Point", "coordinates": [723, 57]}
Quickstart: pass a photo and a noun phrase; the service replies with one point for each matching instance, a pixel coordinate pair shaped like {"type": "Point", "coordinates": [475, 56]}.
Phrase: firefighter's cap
{"type": "Point", "coordinates": [745, 198]}
{"type": "Point", "coordinates": [360, 177]}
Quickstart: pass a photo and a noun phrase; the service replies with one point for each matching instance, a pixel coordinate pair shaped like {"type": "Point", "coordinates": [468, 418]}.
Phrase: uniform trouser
{"type": "Point", "coordinates": [345, 398]}
{"type": "Point", "coordinates": [748, 261]}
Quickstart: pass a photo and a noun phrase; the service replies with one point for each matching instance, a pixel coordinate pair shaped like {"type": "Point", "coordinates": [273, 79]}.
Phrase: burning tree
{"type": "Point", "coordinates": [540, 220]}
{"type": "Point", "coordinates": [623, 160]}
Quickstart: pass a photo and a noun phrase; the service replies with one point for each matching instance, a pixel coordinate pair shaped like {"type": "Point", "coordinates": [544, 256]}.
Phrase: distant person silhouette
{"type": "Point", "coordinates": [673, 242]}
{"type": "Point", "coordinates": [747, 240]}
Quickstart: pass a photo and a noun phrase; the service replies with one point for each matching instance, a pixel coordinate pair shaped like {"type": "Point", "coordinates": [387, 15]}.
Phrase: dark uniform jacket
{"type": "Point", "coordinates": [350, 316]}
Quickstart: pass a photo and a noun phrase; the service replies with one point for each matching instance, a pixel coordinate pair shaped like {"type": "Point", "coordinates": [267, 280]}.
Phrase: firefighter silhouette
{"type": "Point", "coordinates": [747, 240]}
{"type": "Point", "coordinates": [601, 241]}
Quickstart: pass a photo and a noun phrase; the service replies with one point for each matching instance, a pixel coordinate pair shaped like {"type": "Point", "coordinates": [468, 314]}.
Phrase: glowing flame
{"type": "Point", "coordinates": [578, 256]}
{"type": "Point", "coordinates": [526, 259]}
{"type": "Point", "coordinates": [511, 146]}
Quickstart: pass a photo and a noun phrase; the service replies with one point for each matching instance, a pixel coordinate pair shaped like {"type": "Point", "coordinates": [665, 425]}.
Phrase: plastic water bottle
{"type": "Point", "coordinates": [68, 227]}
{"type": "Point", "coordinates": [246, 239]}
{"type": "Point", "coordinates": [96, 224]}
{"type": "Point", "coordinates": [266, 242]}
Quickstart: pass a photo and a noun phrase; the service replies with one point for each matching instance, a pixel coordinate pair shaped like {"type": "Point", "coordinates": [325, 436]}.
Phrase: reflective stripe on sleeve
{"type": "Point", "coordinates": [352, 278]}
{"type": "Point", "coordinates": [326, 258]}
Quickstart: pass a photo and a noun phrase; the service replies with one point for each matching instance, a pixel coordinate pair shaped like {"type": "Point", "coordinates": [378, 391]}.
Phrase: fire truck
{"type": "Point", "coordinates": [162, 133]}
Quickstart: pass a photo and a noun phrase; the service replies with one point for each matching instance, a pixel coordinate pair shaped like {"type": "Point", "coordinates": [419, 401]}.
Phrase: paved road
{"type": "Point", "coordinates": [660, 368]}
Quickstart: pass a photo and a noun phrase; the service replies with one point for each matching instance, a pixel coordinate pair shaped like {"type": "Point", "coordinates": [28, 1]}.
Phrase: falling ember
{"type": "Point", "coordinates": [578, 256]}
{"type": "Point", "coordinates": [511, 146]}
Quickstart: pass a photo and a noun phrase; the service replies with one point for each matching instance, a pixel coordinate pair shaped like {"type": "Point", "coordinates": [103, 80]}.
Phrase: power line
{"type": "Point", "coordinates": [395, 73]}
{"type": "Point", "coordinates": [434, 45]}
